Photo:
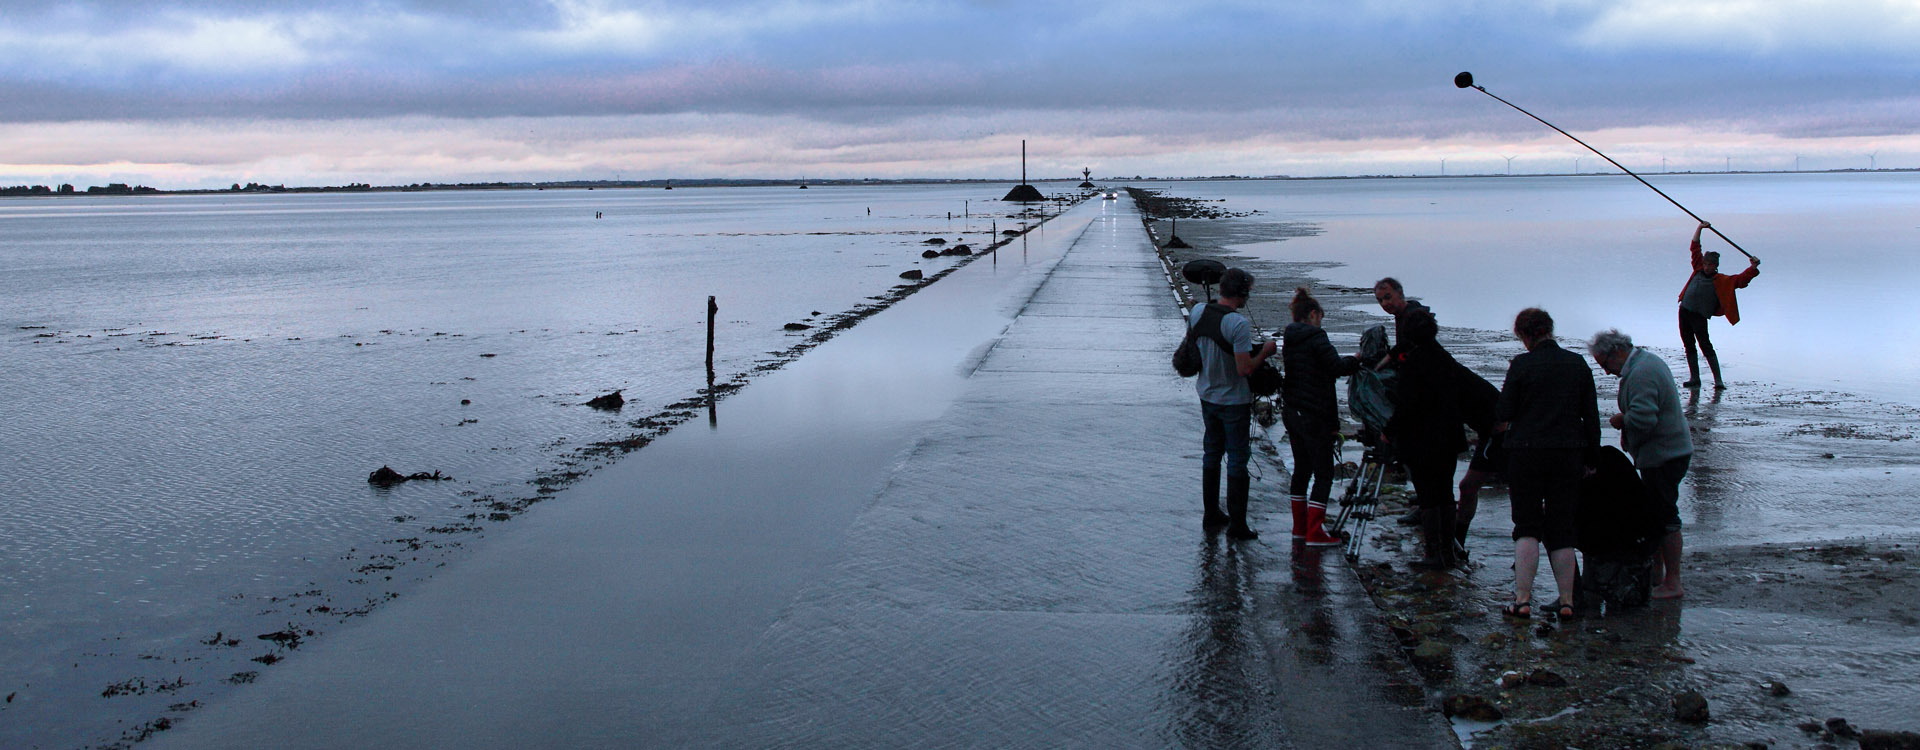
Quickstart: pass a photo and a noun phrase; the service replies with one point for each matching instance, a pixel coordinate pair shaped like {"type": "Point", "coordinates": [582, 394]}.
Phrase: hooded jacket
{"type": "Point", "coordinates": [1723, 284]}
{"type": "Point", "coordinates": [1429, 404]}
{"type": "Point", "coordinates": [1311, 367]}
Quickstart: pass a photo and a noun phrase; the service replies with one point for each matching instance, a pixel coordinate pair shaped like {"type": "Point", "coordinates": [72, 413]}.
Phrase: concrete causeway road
{"type": "Point", "coordinates": [971, 521]}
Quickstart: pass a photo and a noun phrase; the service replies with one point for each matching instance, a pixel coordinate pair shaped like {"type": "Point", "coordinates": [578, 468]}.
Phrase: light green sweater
{"type": "Point", "coordinates": [1656, 428]}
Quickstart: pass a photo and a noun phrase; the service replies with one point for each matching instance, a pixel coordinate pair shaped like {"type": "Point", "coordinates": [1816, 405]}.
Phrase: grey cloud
{"type": "Point", "coordinates": [1329, 70]}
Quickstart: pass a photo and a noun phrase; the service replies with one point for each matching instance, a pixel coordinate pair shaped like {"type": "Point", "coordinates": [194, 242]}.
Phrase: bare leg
{"type": "Point", "coordinates": [1669, 586]}
{"type": "Point", "coordinates": [1526, 564]}
{"type": "Point", "coordinates": [1565, 567]}
{"type": "Point", "coordinates": [1470, 485]}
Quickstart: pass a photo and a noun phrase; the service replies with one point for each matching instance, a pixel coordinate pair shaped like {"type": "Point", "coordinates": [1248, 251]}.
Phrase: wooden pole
{"type": "Point", "coordinates": [713, 415]}
{"type": "Point", "coordinates": [711, 310]}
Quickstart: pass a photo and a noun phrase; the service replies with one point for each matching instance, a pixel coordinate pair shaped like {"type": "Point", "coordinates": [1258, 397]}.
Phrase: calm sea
{"type": "Point", "coordinates": [1829, 310]}
{"type": "Point", "coordinates": [196, 388]}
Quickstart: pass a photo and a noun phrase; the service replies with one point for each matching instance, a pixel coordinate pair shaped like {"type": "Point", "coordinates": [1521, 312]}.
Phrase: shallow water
{"type": "Point", "coordinates": [1603, 251]}
{"type": "Point", "coordinates": [197, 386]}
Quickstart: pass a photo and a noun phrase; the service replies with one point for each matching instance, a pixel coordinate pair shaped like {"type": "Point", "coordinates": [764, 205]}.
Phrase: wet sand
{"type": "Point", "coordinates": [1800, 563]}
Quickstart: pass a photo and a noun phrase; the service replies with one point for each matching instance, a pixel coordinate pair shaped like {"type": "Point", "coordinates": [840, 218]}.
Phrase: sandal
{"type": "Point", "coordinates": [1564, 610]}
{"type": "Point", "coordinates": [1518, 610]}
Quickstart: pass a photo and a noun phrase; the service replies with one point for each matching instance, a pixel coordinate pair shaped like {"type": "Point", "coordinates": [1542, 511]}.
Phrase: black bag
{"type": "Point", "coordinates": [1265, 380]}
{"type": "Point", "coordinates": [1615, 580]}
{"type": "Point", "coordinates": [1186, 357]}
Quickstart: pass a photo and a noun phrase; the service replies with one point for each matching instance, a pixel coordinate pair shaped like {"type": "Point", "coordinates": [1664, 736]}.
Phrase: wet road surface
{"type": "Point", "coordinates": [967, 522]}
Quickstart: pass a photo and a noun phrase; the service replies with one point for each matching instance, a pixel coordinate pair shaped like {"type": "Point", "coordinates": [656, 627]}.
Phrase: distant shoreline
{"type": "Point", "coordinates": [255, 189]}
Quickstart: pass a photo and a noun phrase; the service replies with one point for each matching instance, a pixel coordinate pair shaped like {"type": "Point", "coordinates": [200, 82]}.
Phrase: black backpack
{"type": "Point", "coordinates": [1186, 357]}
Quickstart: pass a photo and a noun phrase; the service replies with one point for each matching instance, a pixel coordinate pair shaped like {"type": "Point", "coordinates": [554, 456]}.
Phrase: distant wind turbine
{"type": "Point", "coordinates": [1509, 164]}
{"type": "Point", "coordinates": [1870, 164]}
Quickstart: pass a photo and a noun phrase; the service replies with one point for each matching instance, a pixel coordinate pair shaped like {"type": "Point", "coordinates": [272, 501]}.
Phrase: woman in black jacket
{"type": "Point", "coordinates": [1427, 431]}
{"type": "Point", "coordinates": [1311, 414]}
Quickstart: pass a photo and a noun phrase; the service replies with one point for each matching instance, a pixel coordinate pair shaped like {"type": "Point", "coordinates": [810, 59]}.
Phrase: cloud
{"type": "Point", "coordinates": [1215, 78]}
{"type": "Point", "coordinates": [1759, 26]}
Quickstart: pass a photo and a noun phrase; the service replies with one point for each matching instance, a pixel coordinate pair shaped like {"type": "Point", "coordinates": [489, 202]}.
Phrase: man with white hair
{"type": "Point", "coordinates": [1653, 430]}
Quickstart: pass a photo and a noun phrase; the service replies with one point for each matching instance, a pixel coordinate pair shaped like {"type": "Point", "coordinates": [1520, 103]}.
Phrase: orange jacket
{"type": "Point", "coordinates": [1723, 285]}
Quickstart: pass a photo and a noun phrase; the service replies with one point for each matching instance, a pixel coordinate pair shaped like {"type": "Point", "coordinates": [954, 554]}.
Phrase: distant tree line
{"type": "Point", "coordinates": [115, 188]}
{"type": "Point", "coordinates": [36, 190]}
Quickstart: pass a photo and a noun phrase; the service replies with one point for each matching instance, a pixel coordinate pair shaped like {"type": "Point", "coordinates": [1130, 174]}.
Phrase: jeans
{"type": "Point", "coordinates": [1227, 435]}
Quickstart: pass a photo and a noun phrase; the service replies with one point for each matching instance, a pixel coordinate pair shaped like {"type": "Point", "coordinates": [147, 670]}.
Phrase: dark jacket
{"type": "Point", "coordinates": [1548, 399]}
{"type": "Point", "coordinates": [1311, 366]}
{"type": "Point", "coordinates": [1400, 322]}
{"type": "Point", "coordinates": [1478, 400]}
{"type": "Point", "coordinates": [1429, 402]}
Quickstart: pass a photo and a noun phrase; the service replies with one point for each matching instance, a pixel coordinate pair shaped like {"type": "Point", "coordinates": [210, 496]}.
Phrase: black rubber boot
{"type": "Point", "coordinates": [1212, 518]}
{"type": "Point", "coordinates": [1460, 524]}
{"type": "Point", "coordinates": [1237, 527]}
{"type": "Point", "coordinates": [1433, 536]}
{"type": "Point", "coordinates": [1412, 517]}
{"type": "Point", "coordinates": [1713, 363]}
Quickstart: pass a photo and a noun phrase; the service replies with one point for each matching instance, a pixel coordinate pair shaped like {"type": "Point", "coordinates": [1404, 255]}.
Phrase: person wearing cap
{"type": "Point", "coordinates": [1708, 293]}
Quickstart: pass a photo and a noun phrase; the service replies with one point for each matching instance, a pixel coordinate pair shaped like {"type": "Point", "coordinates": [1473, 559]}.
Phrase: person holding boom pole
{"type": "Point", "coordinates": [1720, 301]}
{"type": "Point", "coordinates": [1708, 293]}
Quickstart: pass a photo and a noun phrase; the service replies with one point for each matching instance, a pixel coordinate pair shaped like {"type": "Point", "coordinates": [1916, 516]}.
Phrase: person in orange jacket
{"type": "Point", "coordinates": [1708, 293]}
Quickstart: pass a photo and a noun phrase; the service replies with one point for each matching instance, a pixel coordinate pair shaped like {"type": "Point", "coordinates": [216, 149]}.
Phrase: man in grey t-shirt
{"type": "Point", "coordinates": [1226, 403]}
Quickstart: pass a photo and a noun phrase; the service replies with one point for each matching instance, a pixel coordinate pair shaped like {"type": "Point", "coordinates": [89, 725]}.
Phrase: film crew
{"type": "Point", "coordinates": [1653, 431]}
{"type": "Point", "coordinates": [1425, 430]}
{"type": "Point", "coordinates": [1708, 293]}
{"type": "Point", "coordinates": [1226, 401]}
{"type": "Point", "coordinates": [1553, 421]}
{"type": "Point", "coordinates": [1311, 413]}
{"type": "Point", "coordinates": [1393, 299]}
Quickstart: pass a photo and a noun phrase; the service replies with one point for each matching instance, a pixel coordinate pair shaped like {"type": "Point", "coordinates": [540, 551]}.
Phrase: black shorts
{"type": "Point", "coordinates": [1544, 485]}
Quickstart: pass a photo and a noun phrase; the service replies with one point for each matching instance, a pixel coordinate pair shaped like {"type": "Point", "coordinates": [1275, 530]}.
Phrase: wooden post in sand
{"type": "Point", "coordinates": [713, 415]}
{"type": "Point", "coordinates": [711, 310]}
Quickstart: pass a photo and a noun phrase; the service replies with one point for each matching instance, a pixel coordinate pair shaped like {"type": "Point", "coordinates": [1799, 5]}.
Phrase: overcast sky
{"type": "Point", "coordinates": [198, 94]}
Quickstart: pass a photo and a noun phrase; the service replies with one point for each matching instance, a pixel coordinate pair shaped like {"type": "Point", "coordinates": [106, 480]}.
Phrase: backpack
{"type": "Point", "coordinates": [1186, 357]}
{"type": "Point", "coordinates": [1370, 391]}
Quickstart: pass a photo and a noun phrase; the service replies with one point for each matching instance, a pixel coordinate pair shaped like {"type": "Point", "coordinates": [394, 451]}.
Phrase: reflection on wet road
{"type": "Point", "coordinates": [1034, 574]}
{"type": "Point", "coordinates": [995, 546]}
